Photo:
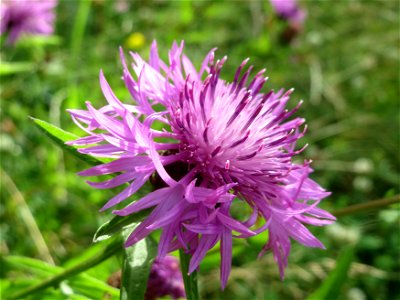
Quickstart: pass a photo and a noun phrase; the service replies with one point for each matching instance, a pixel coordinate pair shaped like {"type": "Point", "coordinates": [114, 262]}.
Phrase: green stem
{"type": "Point", "coordinates": [79, 26]}
{"type": "Point", "coordinates": [354, 209]}
{"type": "Point", "coordinates": [109, 251]}
{"type": "Point", "coordinates": [190, 281]}
{"type": "Point", "coordinates": [76, 42]}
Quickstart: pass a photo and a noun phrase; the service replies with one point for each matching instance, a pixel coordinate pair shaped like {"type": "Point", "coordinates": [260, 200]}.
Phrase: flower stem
{"type": "Point", "coordinates": [76, 42]}
{"type": "Point", "coordinates": [354, 209]}
{"type": "Point", "coordinates": [78, 31]}
{"type": "Point", "coordinates": [27, 217]}
{"type": "Point", "coordinates": [111, 249]}
{"type": "Point", "coordinates": [190, 281]}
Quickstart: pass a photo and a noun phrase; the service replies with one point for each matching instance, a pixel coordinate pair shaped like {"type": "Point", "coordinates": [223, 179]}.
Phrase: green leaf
{"type": "Point", "coordinates": [84, 255]}
{"type": "Point", "coordinates": [190, 281]}
{"type": "Point", "coordinates": [30, 41]}
{"type": "Point", "coordinates": [65, 274]}
{"type": "Point", "coordinates": [78, 297]}
{"type": "Point", "coordinates": [136, 268]}
{"type": "Point", "coordinates": [82, 283]}
{"type": "Point", "coordinates": [60, 136]}
{"type": "Point", "coordinates": [8, 68]}
{"type": "Point", "coordinates": [118, 223]}
{"type": "Point", "coordinates": [34, 266]}
{"type": "Point", "coordinates": [93, 288]}
{"type": "Point", "coordinates": [331, 287]}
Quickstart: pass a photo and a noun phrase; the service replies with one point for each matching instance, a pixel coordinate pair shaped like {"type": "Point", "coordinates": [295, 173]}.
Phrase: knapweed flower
{"type": "Point", "coordinates": [289, 10]}
{"type": "Point", "coordinates": [20, 17]}
{"type": "Point", "coordinates": [165, 279]}
{"type": "Point", "coordinates": [209, 142]}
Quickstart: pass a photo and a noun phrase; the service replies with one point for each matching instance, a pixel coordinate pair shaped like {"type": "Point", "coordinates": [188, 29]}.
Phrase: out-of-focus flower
{"type": "Point", "coordinates": [135, 40]}
{"type": "Point", "coordinates": [20, 17]}
{"type": "Point", "coordinates": [121, 6]}
{"type": "Point", "coordinates": [165, 279]}
{"type": "Point", "coordinates": [205, 142]}
{"type": "Point", "coordinates": [289, 10]}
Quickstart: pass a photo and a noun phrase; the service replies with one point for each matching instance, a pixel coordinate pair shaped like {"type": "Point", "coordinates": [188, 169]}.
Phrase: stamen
{"type": "Point", "coordinates": [227, 164]}
{"type": "Point", "coordinates": [242, 104]}
{"type": "Point", "coordinates": [252, 118]}
{"type": "Point", "coordinates": [257, 79]}
{"type": "Point", "coordinates": [188, 120]}
{"type": "Point", "coordinates": [245, 157]}
{"type": "Point", "coordinates": [216, 150]}
{"type": "Point", "coordinates": [203, 97]}
{"type": "Point", "coordinates": [244, 79]}
{"type": "Point", "coordinates": [242, 140]}
{"type": "Point", "coordinates": [237, 74]}
{"type": "Point", "coordinates": [186, 87]}
{"type": "Point", "coordinates": [205, 136]}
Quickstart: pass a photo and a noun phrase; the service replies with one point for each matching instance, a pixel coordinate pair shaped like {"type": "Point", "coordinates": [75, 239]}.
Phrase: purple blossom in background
{"type": "Point", "coordinates": [165, 279]}
{"type": "Point", "coordinates": [289, 10]}
{"type": "Point", "coordinates": [20, 17]}
{"type": "Point", "coordinates": [209, 142]}
{"type": "Point", "coordinates": [121, 6]}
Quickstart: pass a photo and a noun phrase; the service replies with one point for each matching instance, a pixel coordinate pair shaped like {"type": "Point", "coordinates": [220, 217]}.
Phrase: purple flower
{"type": "Point", "coordinates": [20, 17]}
{"type": "Point", "coordinates": [206, 143]}
{"type": "Point", "coordinates": [165, 279]}
{"type": "Point", "coordinates": [289, 10]}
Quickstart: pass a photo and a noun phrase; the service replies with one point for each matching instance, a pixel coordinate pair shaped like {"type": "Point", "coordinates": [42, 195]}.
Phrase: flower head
{"type": "Point", "coordinates": [289, 10]}
{"type": "Point", "coordinates": [209, 143]}
{"type": "Point", "coordinates": [165, 279]}
{"type": "Point", "coordinates": [20, 17]}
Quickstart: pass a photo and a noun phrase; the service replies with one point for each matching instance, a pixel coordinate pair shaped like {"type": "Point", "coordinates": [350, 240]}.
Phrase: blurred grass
{"type": "Point", "coordinates": [344, 64]}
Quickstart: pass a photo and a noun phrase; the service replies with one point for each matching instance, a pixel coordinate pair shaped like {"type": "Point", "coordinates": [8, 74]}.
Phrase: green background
{"type": "Point", "coordinates": [344, 64]}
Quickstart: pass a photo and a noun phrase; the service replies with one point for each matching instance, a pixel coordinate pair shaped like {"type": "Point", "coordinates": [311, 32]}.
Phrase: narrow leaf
{"type": "Point", "coordinates": [83, 283]}
{"type": "Point", "coordinates": [331, 287]}
{"type": "Point", "coordinates": [36, 267]}
{"type": "Point", "coordinates": [118, 223]}
{"type": "Point", "coordinates": [63, 274]}
{"type": "Point", "coordinates": [60, 136]}
{"type": "Point", "coordinates": [136, 268]}
{"type": "Point", "coordinates": [8, 68]}
{"type": "Point", "coordinates": [190, 281]}
{"type": "Point", "coordinates": [39, 41]}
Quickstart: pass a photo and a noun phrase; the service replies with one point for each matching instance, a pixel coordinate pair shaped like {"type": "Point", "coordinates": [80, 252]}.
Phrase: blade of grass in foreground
{"type": "Point", "coordinates": [330, 288]}
{"type": "Point", "coordinates": [83, 284]}
{"type": "Point", "coordinates": [112, 248]}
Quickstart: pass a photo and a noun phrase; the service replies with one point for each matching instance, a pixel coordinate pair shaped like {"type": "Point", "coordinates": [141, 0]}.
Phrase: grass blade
{"type": "Point", "coordinates": [330, 288]}
{"type": "Point", "coordinates": [111, 249]}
